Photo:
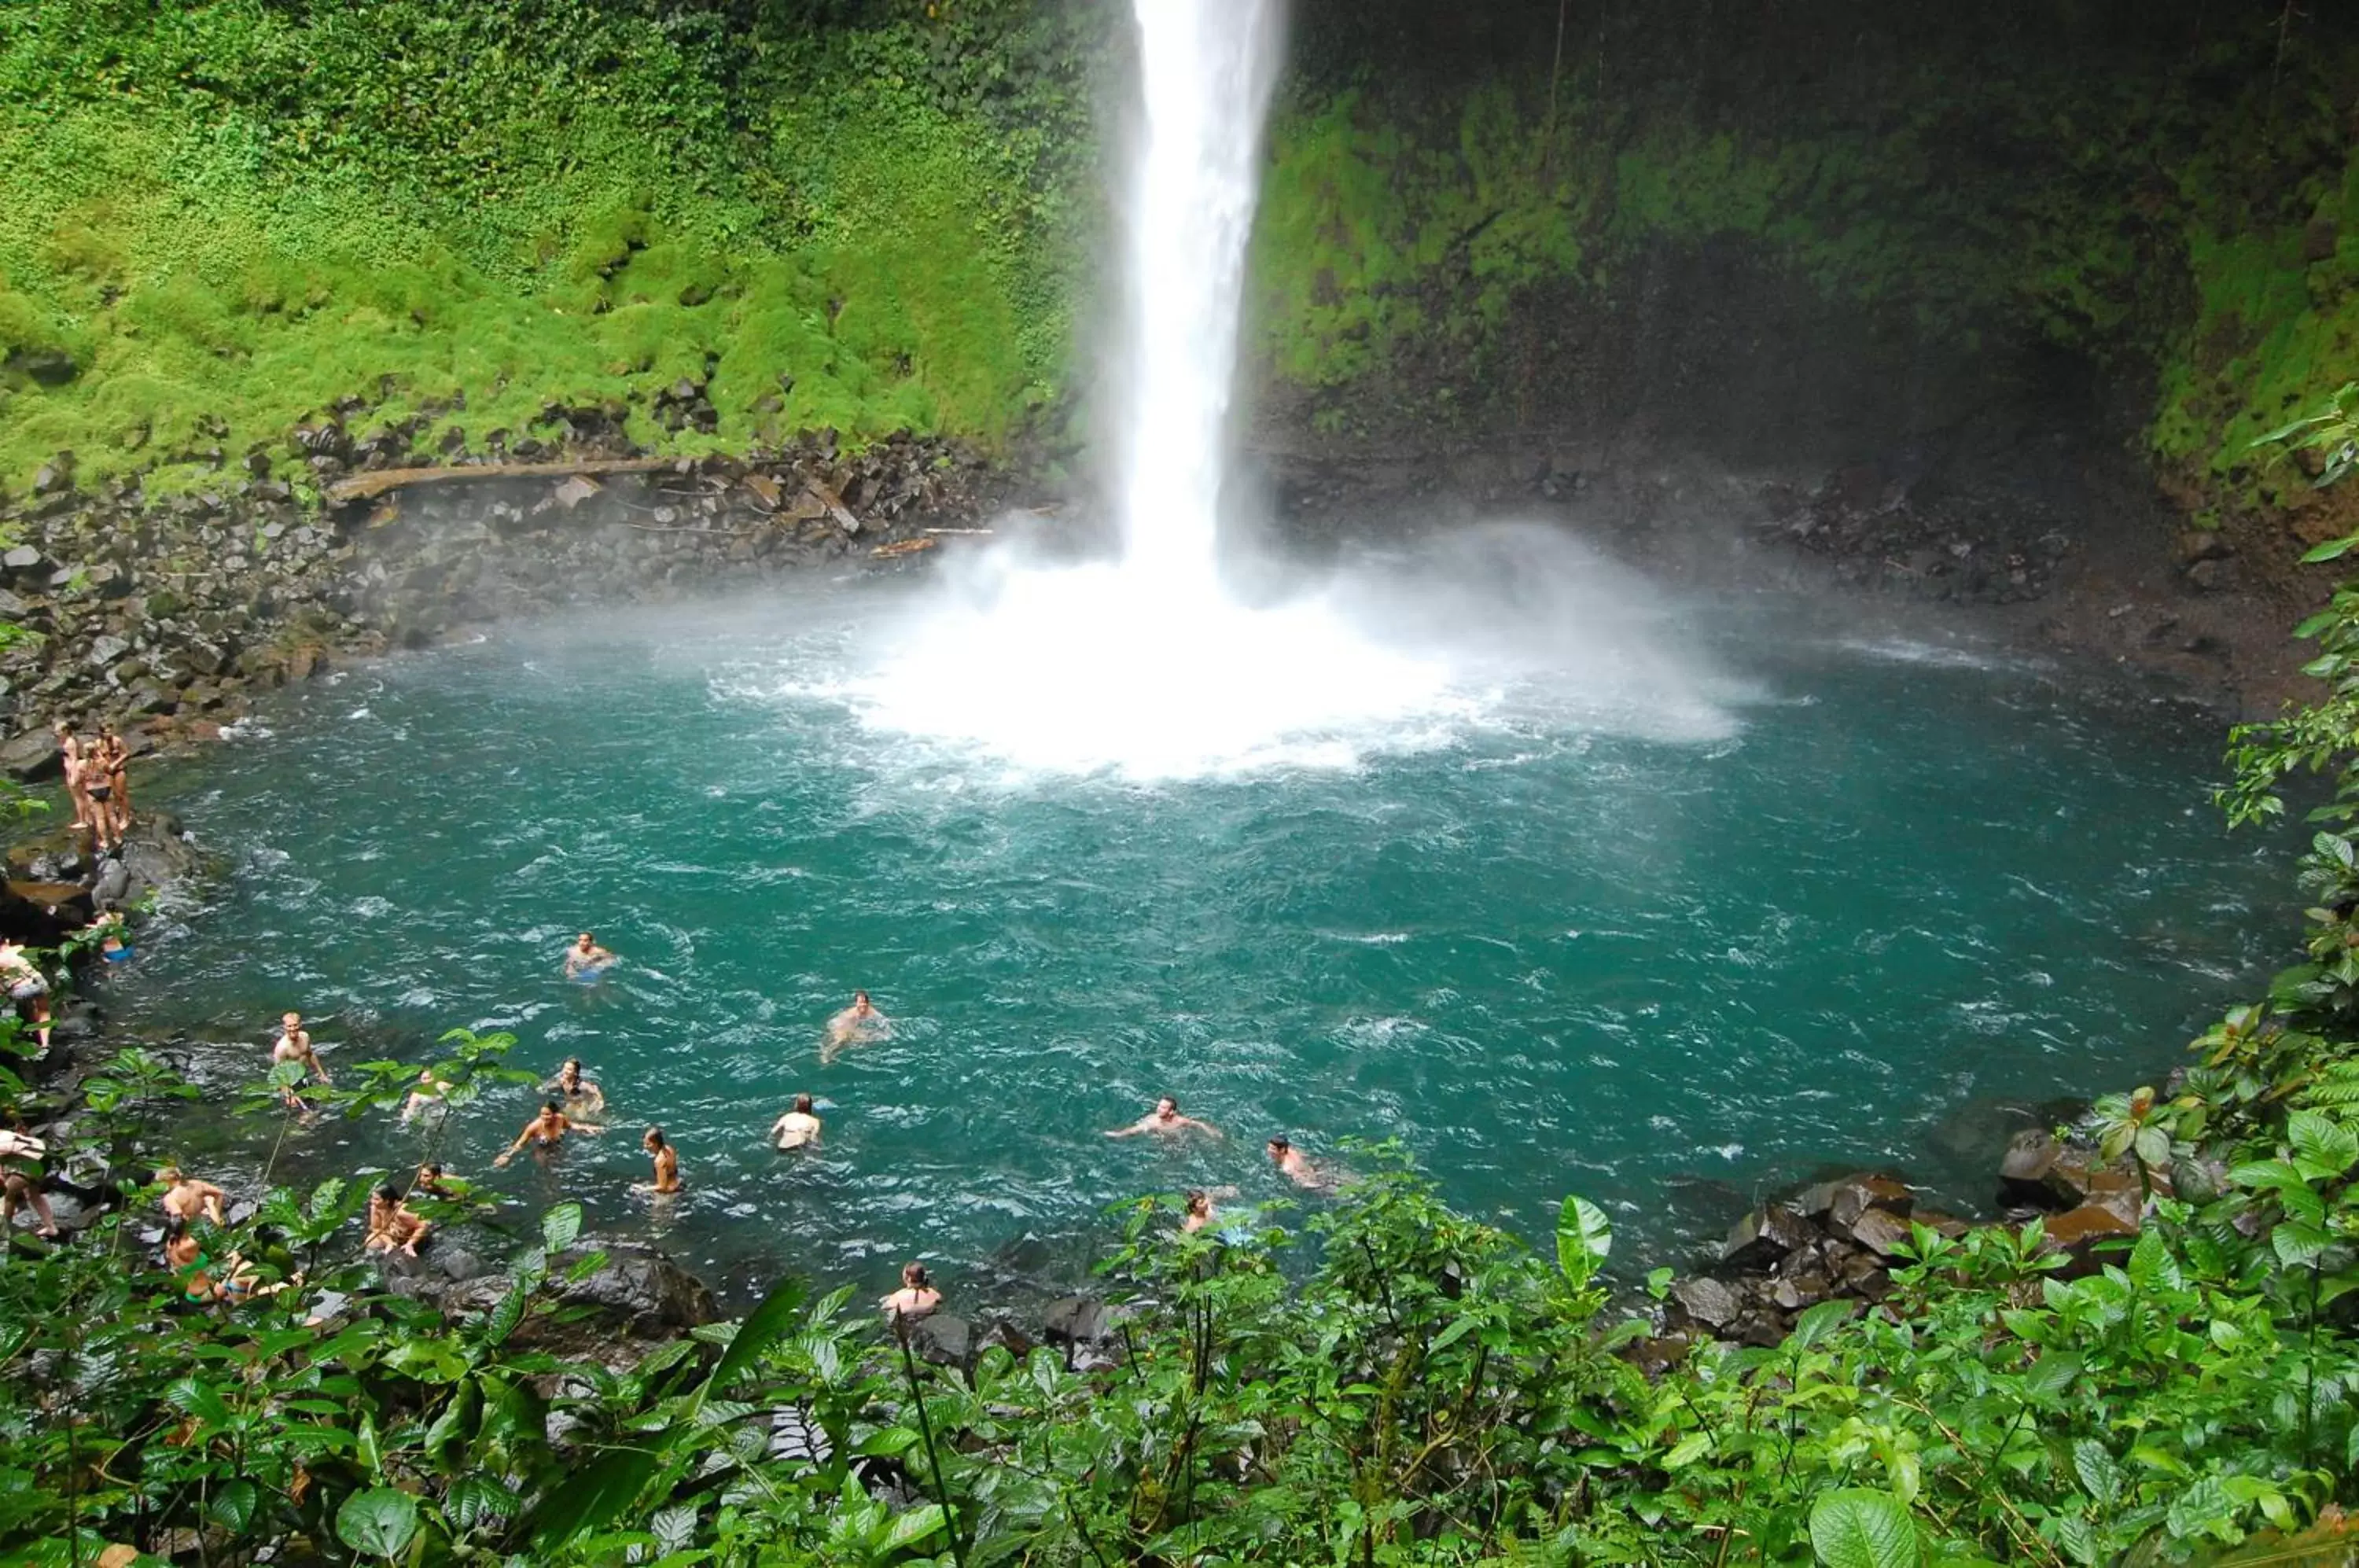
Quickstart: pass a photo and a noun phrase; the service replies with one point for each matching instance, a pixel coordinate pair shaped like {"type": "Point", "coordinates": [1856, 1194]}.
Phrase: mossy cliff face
{"type": "Point", "coordinates": [1744, 226]}
{"type": "Point", "coordinates": [1767, 231]}
{"type": "Point", "coordinates": [224, 216]}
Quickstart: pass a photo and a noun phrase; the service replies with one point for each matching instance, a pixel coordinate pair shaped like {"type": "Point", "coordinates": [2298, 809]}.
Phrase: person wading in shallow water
{"type": "Point", "coordinates": [546, 1132]}
{"type": "Point", "coordinates": [798, 1128]}
{"type": "Point", "coordinates": [581, 1096]}
{"type": "Point", "coordinates": [392, 1228]}
{"type": "Point", "coordinates": [185, 1197]}
{"type": "Point", "coordinates": [915, 1299]}
{"type": "Point", "coordinates": [1164, 1118]}
{"type": "Point", "coordinates": [295, 1045]}
{"type": "Point", "coordinates": [666, 1162]}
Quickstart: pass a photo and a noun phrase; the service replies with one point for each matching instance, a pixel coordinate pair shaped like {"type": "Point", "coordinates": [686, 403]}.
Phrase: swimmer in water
{"type": "Point", "coordinates": [424, 1100]}
{"type": "Point", "coordinates": [857, 1025]}
{"type": "Point", "coordinates": [185, 1197]}
{"type": "Point", "coordinates": [392, 1228]}
{"type": "Point", "coordinates": [666, 1162]}
{"type": "Point", "coordinates": [546, 1132]}
{"type": "Point", "coordinates": [295, 1045]}
{"type": "Point", "coordinates": [1164, 1118]}
{"type": "Point", "coordinates": [581, 1096]}
{"type": "Point", "coordinates": [798, 1128]}
{"type": "Point", "coordinates": [915, 1299]}
{"type": "Point", "coordinates": [1199, 1211]}
{"type": "Point", "coordinates": [1294, 1167]}
{"type": "Point", "coordinates": [585, 960]}
{"type": "Point", "coordinates": [432, 1182]}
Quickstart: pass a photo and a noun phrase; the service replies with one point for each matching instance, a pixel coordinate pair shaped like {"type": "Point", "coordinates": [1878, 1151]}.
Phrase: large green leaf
{"type": "Point", "coordinates": [378, 1523]}
{"type": "Point", "coordinates": [231, 1504]}
{"type": "Point", "coordinates": [592, 1498]}
{"type": "Point", "coordinates": [771, 1322]}
{"type": "Point", "coordinates": [559, 1226]}
{"type": "Point", "coordinates": [1583, 1236]}
{"type": "Point", "coordinates": [914, 1526]}
{"type": "Point", "coordinates": [1856, 1527]}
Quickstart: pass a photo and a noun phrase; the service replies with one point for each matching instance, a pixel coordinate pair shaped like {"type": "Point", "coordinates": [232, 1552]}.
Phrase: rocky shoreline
{"type": "Point", "coordinates": [166, 613]}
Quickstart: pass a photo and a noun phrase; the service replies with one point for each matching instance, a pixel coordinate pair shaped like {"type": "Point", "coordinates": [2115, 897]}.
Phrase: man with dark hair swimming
{"type": "Point", "coordinates": [585, 960]}
{"type": "Point", "coordinates": [1164, 1118]}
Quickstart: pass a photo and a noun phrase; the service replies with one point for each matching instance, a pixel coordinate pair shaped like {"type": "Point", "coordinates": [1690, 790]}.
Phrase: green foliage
{"type": "Point", "coordinates": [238, 213]}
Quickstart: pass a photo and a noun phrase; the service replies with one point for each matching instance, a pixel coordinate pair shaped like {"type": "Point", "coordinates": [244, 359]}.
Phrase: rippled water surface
{"type": "Point", "coordinates": [1664, 973]}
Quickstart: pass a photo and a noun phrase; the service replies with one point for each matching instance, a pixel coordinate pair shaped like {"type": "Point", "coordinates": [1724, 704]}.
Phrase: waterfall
{"type": "Point", "coordinates": [1206, 72]}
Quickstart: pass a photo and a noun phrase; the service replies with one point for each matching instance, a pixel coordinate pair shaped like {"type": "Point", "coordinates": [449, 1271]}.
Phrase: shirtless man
{"type": "Point", "coordinates": [295, 1045]}
{"type": "Point", "coordinates": [1294, 1167]}
{"type": "Point", "coordinates": [1164, 1118]}
{"type": "Point", "coordinates": [667, 1162]}
{"type": "Point", "coordinates": [585, 960]}
{"type": "Point", "coordinates": [116, 757]}
{"type": "Point", "coordinates": [185, 1197]}
{"type": "Point", "coordinates": [545, 1131]}
{"type": "Point", "coordinates": [424, 1100]}
{"type": "Point", "coordinates": [857, 1025]}
{"type": "Point", "coordinates": [915, 1299]}
{"type": "Point", "coordinates": [798, 1128]}
{"type": "Point", "coordinates": [579, 1092]}
{"type": "Point", "coordinates": [432, 1182]}
{"type": "Point", "coordinates": [391, 1225]}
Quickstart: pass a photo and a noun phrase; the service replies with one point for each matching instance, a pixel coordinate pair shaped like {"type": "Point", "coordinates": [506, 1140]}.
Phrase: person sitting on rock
{"type": "Point", "coordinates": [585, 960]}
{"type": "Point", "coordinates": [186, 1198]}
{"type": "Point", "coordinates": [1294, 1165]}
{"type": "Point", "coordinates": [28, 987]}
{"type": "Point", "coordinates": [1164, 1118]}
{"type": "Point", "coordinates": [798, 1128]}
{"type": "Point", "coordinates": [392, 1228]}
{"type": "Point", "coordinates": [666, 1162]}
{"type": "Point", "coordinates": [20, 1183]}
{"type": "Point", "coordinates": [546, 1132]}
{"type": "Point", "coordinates": [915, 1299]}
{"type": "Point", "coordinates": [294, 1044]}
{"type": "Point", "coordinates": [112, 933]}
{"type": "Point", "coordinates": [581, 1096]}
{"type": "Point", "coordinates": [857, 1025]}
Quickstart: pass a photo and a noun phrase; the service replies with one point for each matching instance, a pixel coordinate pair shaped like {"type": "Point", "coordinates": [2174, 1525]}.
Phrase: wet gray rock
{"type": "Point", "coordinates": [1707, 1303]}
{"type": "Point", "coordinates": [1764, 1236]}
{"type": "Point", "coordinates": [1077, 1319]}
{"type": "Point", "coordinates": [32, 755]}
{"type": "Point", "coordinates": [942, 1338]}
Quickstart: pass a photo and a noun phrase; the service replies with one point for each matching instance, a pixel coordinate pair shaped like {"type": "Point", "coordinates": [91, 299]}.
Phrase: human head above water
{"type": "Point", "coordinates": [653, 1138]}
{"type": "Point", "coordinates": [548, 1108]}
{"type": "Point", "coordinates": [803, 1103]}
{"type": "Point", "coordinates": [387, 1193]}
{"type": "Point", "coordinates": [913, 1276]}
{"type": "Point", "coordinates": [1280, 1149]}
{"type": "Point", "coordinates": [1166, 1107]}
{"type": "Point", "coordinates": [292, 1021]}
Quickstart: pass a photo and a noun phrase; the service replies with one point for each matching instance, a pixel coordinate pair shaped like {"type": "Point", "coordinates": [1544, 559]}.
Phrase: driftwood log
{"type": "Point", "coordinates": [365, 486]}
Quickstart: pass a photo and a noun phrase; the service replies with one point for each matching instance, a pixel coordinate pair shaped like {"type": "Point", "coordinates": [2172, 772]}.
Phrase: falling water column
{"type": "Point", "coordinates": [1206, 68]}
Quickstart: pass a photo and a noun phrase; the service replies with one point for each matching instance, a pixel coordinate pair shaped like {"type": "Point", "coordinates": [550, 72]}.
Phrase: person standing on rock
{"type": "Point", "coordinates": [798, 1128]}
{"type": "Point", "coordinates": [28, 988]}
{"type": "Point", "coordinates": [545, 1131]}
{"type": "Point", "coordinates": [69, 750]}
{"type": "Point", "coordinates": [295, 1045]}
{"type": "Point", "coordinates": [115, 758]}
{"type": "Point", "coordinates": [666, 1162]}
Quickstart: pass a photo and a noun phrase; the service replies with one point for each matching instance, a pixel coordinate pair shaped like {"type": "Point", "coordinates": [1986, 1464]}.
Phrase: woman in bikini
{"type": "Point", "coordinates": [116, 757]}
{"type": "Point", "coordinates": [70, 749]}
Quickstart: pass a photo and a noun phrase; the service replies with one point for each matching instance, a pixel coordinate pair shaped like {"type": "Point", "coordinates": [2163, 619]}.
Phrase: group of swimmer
{"type": "Point", "coordinates": [573, 1103]}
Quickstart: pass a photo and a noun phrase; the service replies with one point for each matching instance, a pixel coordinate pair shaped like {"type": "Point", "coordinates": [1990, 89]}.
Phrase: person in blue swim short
{"type": "Point", "coordinates": [585, 960]}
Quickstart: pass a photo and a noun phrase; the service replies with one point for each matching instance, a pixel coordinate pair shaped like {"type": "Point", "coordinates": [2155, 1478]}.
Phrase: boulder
{"type": "Point", "coordinates": [642, 1291]}
{"type": "Point", "coordinates": [31, 756]}
{"type": "Point", "coordinates": [1881, 1232]}
{"type": "Point", "coordinates": [941, 1339]}
{"type": "Point", "coordinates": [1764, 1236]}
{"type": "Point", "coordinates": [1709, 1304]}
{"type": "Point", "coordinates": [2077, 1232]}
{"type": "Point", "coordinates": [1855, 1196]}
{"type": "Point", "coordinates": [2039, 1171]}
{"type": "Point", "coordinates": [1077, 1319]}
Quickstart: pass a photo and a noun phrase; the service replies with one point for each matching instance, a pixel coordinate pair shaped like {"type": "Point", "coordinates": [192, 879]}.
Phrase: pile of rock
{"type": "Point", "coordinates": [1877, 532]}
{"type": "Point", "coordinates": [163, 611]}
